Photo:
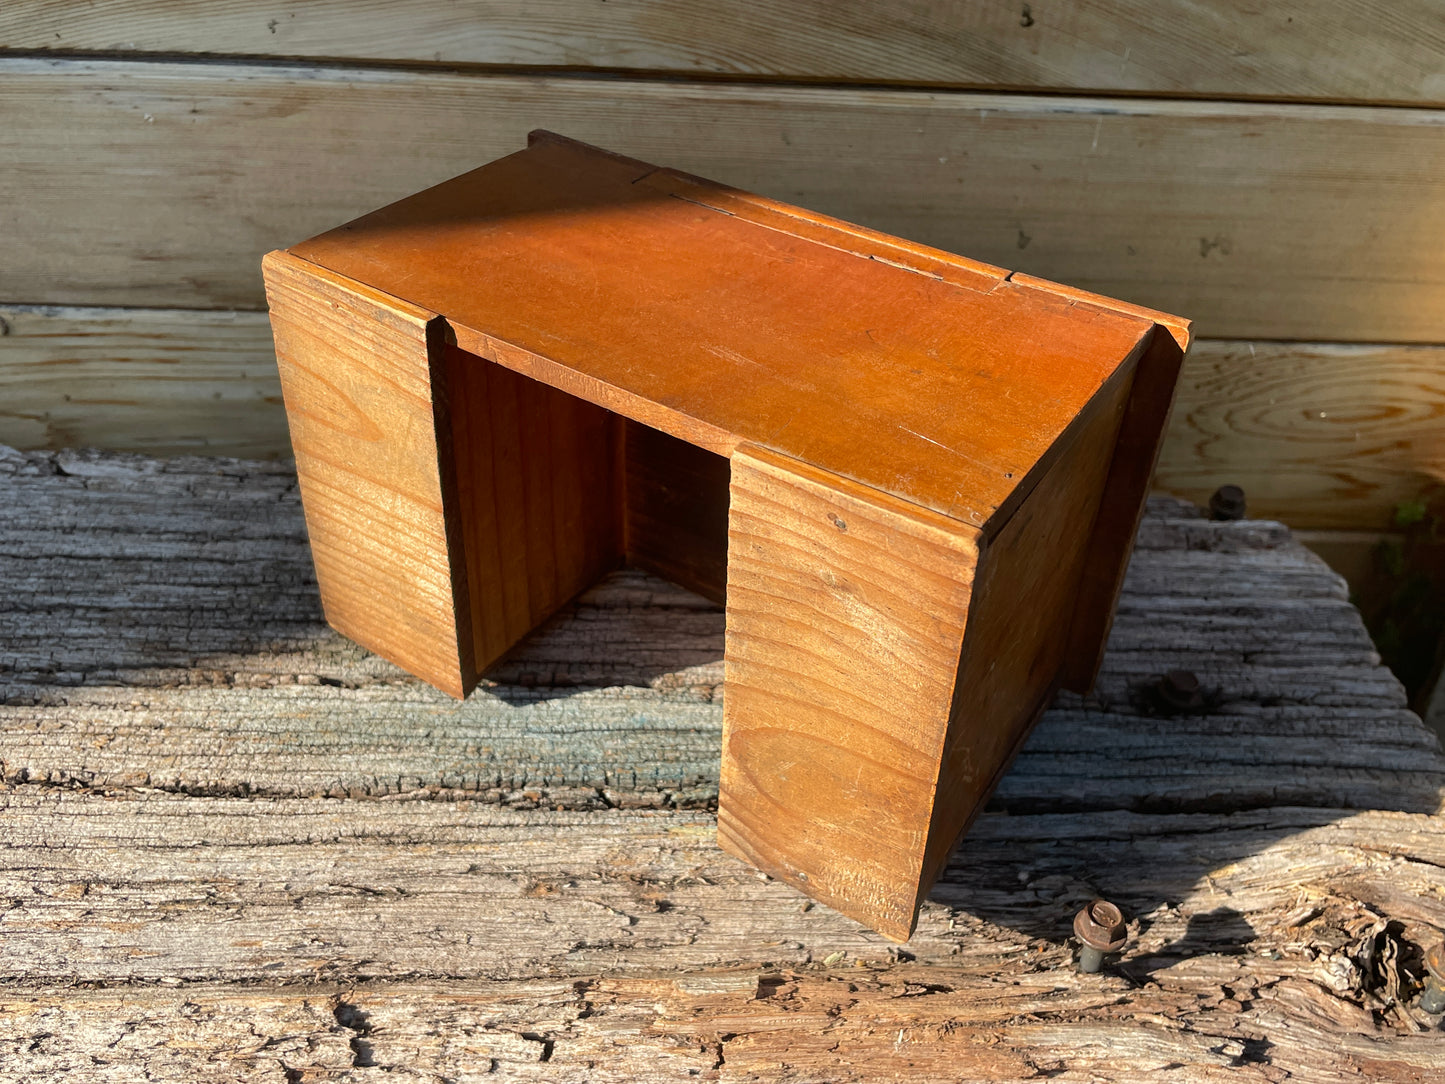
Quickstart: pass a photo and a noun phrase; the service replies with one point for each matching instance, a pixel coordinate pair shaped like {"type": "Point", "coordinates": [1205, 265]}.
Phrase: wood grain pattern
{"type": "Point", "coordinates": [676, 510]}
{"type": "Point", "coordinates": [1030, 628]}
{"type": "Point", "coordinates": [1139, 436]}
{"type": "Point", "coordinates": [1176, 205]}
{"type": "Point", "coordinates": [372, 441]}
{"type": "Point", "coordinates": [1320, 435]}
{"type": "Point", "coordinates": [835, 592]}
{"type": "Point", "coordinates": [996, 997]}
{"type": "Point", "coordinates": [161, 381]}
{"type": "Point", "coordinates": [721, 318]}
{"type": "Point", "coordinates": [538, 497]}
{"type": "Point", "coordinates": [1330, 49]}
{"type": "Point", "coordinates": [220, 868]}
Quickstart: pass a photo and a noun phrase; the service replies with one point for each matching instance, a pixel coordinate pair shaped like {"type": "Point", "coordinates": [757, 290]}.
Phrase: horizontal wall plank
{"type": "Point", "coordinates": [161, 184]}
{"type": "Point", "coordinates": [1319, 435]}
{"type": "Point", "coordinates": [1339, 50]}
{"type": "Point", "coordinates": [165, 382]}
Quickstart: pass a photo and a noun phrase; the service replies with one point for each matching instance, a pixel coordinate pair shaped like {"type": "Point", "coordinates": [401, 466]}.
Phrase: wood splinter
{"type": "Point", "coordinates": [912, 478]}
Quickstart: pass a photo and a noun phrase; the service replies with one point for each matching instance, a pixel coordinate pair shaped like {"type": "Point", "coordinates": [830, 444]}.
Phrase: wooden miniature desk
{"type": "Point", "coordinates": [900, 469]}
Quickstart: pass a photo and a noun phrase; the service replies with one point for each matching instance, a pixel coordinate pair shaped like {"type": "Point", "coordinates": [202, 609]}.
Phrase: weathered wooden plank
{"type": "Point", "coordinates": [1335, 50]}
{"type": "Point", "coordinates": [295, 889]}
{"type": "Point", "coordinates": [1204, 208]}
{"type": "Point", "coordinates": [193, 658]}
{"type": "Point", "coordinates": [1321, 435]}
{"type": "Point", "coordinates": [248, 931]}
{"type": "Point", "coordinates": [161, 381]}
{"type": "Point", "coordinates": [1247, 925]}
{"type": "Point", "coordinates": [916, 1023]}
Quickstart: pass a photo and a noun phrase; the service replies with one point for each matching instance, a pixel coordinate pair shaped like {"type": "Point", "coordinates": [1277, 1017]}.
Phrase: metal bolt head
{"type": "Point", "coordinates": [1432, 997]}
{"type": "Point", "coordinates": [1227, 503]}
{"type": "Point", "coordinates": [1435, 960]}
{"type": "Point", "coordinates": [1100, 925]}
{"type": "Point", "coordinates": [1179, 690]}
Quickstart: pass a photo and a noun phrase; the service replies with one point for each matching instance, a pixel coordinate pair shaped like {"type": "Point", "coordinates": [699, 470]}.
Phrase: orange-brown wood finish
{"type": "Point", "coordinates": [676, 510]}
{"type": "Point", "coordinates": [846, 611]}
{"type": "Point", "coordinates": [912, 478]}
{"type": "Point", "coordinates": [359, 372]}
{"type": "Point", "coordinates": [537, 490]}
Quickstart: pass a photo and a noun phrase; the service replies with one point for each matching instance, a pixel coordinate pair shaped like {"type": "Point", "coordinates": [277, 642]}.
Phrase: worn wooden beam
{"type": "Point", "coordinates": [240, 848]}
{"type": "Point", "coordinates": [161, 184]}
{"type": "Point", "coordinates": [1268, 943]}
{"type": "Point", "coordinates": [1335, 51]}
{"type": "Point", "coordinates": [208, 621]}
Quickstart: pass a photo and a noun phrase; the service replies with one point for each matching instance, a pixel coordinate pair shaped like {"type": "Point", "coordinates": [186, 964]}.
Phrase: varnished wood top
{"type": "Point", "coordinates": [721, 318]}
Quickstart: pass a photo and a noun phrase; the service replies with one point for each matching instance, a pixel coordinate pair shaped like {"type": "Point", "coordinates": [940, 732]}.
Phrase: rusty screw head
{"type": "Point", "coordinates": [1435, 960]}
{"type": "Point", "coordinates": [1179, 690]}
{"type": "Point", "coordinates": [1227, 503]}
{"type": "Point", "coordinates": [1100, 926]}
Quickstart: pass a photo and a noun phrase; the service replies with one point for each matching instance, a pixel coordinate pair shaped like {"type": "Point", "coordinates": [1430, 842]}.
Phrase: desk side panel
{"type": "Point", "coordinates": [374, 462]}
{"type": "Point", "coordinates": [677, 510]}
{"type": "Point", "coordinates": [1136, 453]}
{"type": "Point", "coordinates": [538, 495]}
{"type": "Point", "coordinates": [1029, 578]}
{"type": "Point", "coordinates": [845, 618]}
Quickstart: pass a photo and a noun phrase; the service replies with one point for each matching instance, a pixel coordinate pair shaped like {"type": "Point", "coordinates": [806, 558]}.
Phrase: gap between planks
{"type": "Point", "coordinates": [1333, 50]}
{"type": "Point", "coordinates": [1168, 203]}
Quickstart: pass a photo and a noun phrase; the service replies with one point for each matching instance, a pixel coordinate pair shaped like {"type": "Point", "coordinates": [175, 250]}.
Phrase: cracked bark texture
{"type": "Point", "coordinates": [237, 847]}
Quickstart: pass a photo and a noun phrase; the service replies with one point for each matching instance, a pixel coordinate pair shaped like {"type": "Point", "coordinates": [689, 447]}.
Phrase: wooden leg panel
{"type": "Point", "coordinates": [845, 620]}
{"type": "Point", "coordinates": [1018, 636]}
{"type": "Point", "coordinates": [374, 466]}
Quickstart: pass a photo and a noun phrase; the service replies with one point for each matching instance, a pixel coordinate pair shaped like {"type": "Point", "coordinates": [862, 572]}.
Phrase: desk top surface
{"type": "Point", "coordinates": [722, 318]}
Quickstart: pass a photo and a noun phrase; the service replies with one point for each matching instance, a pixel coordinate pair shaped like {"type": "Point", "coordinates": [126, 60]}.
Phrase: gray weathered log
{"type": "Point", "coordinates": [238, 847]}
